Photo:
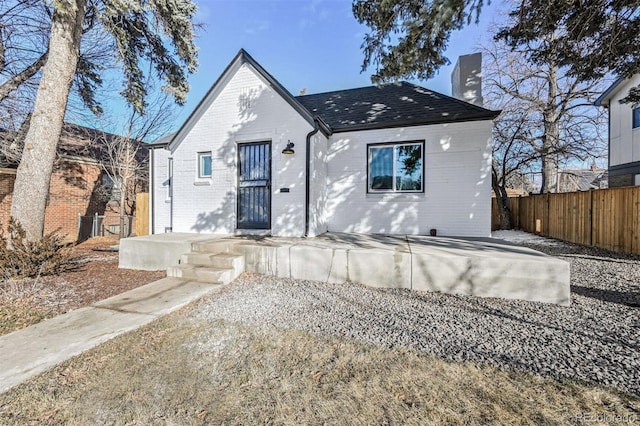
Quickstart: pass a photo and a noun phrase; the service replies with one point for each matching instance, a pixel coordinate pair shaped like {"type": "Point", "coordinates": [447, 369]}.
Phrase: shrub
{"type": "Point", "coordinates": [20, 258]}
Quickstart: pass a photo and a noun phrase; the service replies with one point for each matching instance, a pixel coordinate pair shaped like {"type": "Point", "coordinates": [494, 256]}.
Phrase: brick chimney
{"type": "Point", "coordinates": [466, 79]}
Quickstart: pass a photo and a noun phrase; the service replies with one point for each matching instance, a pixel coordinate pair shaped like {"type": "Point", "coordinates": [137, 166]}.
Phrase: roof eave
{"type": "Point", "coordinates": [603, 100]}
{"type": "Point", "coordinates": [241, 58]}
{"type": "Point", "coordinates": [410, 123]}
{"type": "Point", "coordinates": [155, 145]}
{"type": "Point", "coordinates": [162, 142]}
{"type": "Point", "coordinates": [325, 129]}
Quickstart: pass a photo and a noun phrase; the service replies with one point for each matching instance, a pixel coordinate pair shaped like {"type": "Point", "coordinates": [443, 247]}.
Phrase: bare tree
{"type": "Point", "coordinates": [554, 112]}
{"type": "Point", "coordinates": [24, 29]}
{"type": "Point", "coordinates": [160, 34]}
{"type": "Point", "coordinates": [124, 158]}
{"type": "Point", "coordinates": [513, 152]}
{"type": "Point", "coordinates": [123, 163]}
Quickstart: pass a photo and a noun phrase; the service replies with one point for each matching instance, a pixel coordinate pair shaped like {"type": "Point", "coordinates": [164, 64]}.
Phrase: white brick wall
{"type": "Point", "coordinates": [247, 109]}
{"type": "Point", "coordinates": [456, 200]}
{"type": "Point", "coordinates": [318, 186]}
{"type": "Point", "coordinates": [457, 196]}
{"type": "Point", "coordinates": [161, 204]}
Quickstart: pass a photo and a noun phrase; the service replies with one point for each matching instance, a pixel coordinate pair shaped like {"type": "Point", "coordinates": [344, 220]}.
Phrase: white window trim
{"type": "Point", "coordinates": [393, 145]}
{"type": "Point", "coordinates": [199, 176]}
{"type": "Point", "coordinates": [633, 113]}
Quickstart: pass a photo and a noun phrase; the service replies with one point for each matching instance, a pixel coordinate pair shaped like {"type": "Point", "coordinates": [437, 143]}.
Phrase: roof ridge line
{"type": "Point", "coordinates": [355, 88]}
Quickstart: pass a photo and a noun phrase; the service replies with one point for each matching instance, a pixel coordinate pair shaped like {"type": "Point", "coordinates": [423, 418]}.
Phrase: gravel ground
{"type": "Point", "coordinates": [596, 339]}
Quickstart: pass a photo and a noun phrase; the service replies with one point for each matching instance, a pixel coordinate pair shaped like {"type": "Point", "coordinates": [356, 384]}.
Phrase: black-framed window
{"type": "Point", "coordinates": [636, 118]}
{"type": "Point", "coordinates": [204, 164]}
{"type": "Point", "coordinates": [396, 167]}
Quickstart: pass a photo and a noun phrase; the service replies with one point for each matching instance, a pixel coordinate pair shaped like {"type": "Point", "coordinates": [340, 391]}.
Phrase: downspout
{"type": "Point", "coordinates": [152, 199]}
{"type": "Point", "coordinates": [316, 127]}
{"type": "Point", "coordinates": [608, 139]}
{"type": "Point", "coordinates": [171, 188]}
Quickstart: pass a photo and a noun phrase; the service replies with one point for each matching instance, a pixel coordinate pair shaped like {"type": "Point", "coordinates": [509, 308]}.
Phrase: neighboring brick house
{"type": "Point", "coordinates": [79, 186]}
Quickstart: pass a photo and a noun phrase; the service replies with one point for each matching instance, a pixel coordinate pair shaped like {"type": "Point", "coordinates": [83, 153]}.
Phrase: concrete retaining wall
{"type": "Point", "coordinates": [485, 268]}
{"type": "Point", "coordinates": [524, 274]}
{"type": "Point", "coordinates": [156, 252]}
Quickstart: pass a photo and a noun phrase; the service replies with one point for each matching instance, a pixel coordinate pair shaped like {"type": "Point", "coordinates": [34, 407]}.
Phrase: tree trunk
{"type": "Point", "coordinates": [551, 135]}
{"type": "Point", "coordinates": [502, 200]}
{"type": "Point", "coordinates": [124, 183]}
{"type": "Point", "coordinates": [34, 173]}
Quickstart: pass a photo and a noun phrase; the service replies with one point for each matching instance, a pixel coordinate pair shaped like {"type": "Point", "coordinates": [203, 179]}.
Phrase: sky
{"type": "Point", "coordinates": [312, 44]}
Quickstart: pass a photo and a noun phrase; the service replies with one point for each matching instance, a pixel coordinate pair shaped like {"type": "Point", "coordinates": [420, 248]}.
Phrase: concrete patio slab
{"type": "Point", "coordinates": [488, 268]}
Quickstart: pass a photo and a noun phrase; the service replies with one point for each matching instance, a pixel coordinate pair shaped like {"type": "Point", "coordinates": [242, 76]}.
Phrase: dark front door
{"type": "Point", "coordinates": [254, 185]}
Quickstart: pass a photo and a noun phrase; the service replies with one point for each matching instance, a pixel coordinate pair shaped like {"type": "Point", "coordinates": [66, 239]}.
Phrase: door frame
{"type": "Point", "coordinates": [267, 142]}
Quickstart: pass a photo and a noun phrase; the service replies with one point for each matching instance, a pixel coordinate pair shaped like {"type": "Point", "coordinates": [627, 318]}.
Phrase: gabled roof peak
{"type": "Point", "coordinates": [369, 107]}
{"type": "Point", "coordinates": [241, 58]}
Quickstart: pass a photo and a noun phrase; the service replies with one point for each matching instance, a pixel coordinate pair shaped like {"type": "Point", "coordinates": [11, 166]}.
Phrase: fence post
{"type": "Point", "coordinates": [591, 217]}
{"type": "Point", "coordinates": [94, 228]}
{"type": "Point", "coordinates": [547, 217]}
{"type": "Point", "coordinates": [79, 226]}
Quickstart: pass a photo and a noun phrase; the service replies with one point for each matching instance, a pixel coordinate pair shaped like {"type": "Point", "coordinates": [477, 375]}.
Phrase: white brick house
{"type": "Point", "coordinates": [395, 159]}
{"type": "Point", "coordinates": [624, 133]}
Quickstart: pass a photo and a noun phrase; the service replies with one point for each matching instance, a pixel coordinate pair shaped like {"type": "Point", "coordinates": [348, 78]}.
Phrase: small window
{"type": "Point", "coordinates": [636, 118]}
{"type": "Point", "coordinates": [112, 187]}
{"type": "Point", "coordinates": [204, 164]}
{"type": "Point", "coordinates": [396, 167]}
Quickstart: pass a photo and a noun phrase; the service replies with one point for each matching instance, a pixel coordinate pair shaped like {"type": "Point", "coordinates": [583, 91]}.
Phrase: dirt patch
{"type": "Point", "coordinates": [95, 276]}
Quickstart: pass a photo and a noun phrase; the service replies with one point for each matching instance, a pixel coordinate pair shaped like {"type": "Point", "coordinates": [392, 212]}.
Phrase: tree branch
{"type": "Point", "coordinates": [14, 82]}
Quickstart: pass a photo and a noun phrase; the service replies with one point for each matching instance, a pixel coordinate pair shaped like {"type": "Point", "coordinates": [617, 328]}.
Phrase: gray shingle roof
{"type": "Point", "coordinates": [391, 105]}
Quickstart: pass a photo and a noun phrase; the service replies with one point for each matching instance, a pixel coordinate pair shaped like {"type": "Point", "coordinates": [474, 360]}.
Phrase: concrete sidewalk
{"type": "Point", "coordinates": [33, 350]}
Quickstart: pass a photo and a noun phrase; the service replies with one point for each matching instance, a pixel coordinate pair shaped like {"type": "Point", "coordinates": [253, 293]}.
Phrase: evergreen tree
{"type": "Point", "coordinates": [154, 34]}
{"type": "Point", "coordinates": [408, 37]}
{"type": "Point", "coordinates": [592, 38]}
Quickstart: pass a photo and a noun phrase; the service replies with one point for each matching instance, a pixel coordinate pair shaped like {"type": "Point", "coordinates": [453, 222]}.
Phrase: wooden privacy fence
{"type": "Point", "coordinates": [142, 214]}
{"type": "Point", "coordinates": [606, 218]}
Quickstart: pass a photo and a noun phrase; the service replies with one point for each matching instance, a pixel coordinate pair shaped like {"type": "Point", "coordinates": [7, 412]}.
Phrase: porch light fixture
{"type": "Point", "coordinates": [288, 150]}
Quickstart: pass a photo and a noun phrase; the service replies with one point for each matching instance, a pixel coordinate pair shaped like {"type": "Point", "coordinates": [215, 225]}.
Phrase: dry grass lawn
{"type": "Point", "coordinates": [180, 371]}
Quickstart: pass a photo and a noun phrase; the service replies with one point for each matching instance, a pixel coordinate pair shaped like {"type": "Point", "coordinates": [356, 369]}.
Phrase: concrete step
{"type": "Point", "coordinates": [202, 274]}
{"type": "Point", "coordinates": [229, 260]}
{"type": "Point", "coordinates": [214, 247]}
{"type": "Point", "coordinates": [197, 259]}
{"type": "Point", "coordinates": [220, 260]}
